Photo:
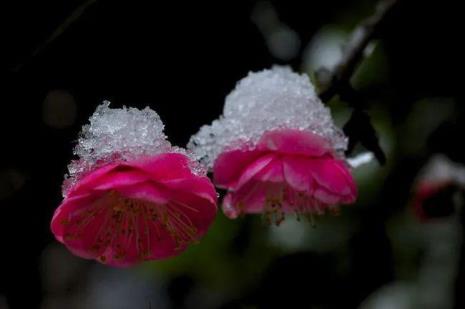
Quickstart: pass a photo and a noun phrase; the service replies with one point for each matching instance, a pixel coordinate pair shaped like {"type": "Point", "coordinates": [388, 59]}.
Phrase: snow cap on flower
{"type": "Point", "coordinates": [121, 134]}
{"type": "Point", "coordinates": [130, 132]}
{"type": "Point", "coordinates": [131, 196]}
{"type": "Point", "coordinates": [263, 101]}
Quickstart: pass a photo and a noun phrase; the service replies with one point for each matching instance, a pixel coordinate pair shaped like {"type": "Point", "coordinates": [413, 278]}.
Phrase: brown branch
{"type": "Point", "coordinates": [71, 19]}
{"type": "Point", "coordinates": [353, 53]}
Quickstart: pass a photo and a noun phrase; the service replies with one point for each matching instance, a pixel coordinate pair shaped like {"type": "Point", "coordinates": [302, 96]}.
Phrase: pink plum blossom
{"type": "Point", "coordinates": [435, 188]}
{"type": "Point", "coordinates": [276, 148]}
{"type": "Point", "coordinates": [131, 196]}
{"type": "Point", "coordinates": [288, 171]}
{"type": "Point", "coordinates": [124, 213]}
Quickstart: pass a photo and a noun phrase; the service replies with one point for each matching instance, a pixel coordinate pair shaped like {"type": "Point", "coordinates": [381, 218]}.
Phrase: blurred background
{"type": "Point", "coordinates": [181, 59]}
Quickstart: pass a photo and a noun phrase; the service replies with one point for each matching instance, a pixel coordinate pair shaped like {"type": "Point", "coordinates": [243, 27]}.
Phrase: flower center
{"type": "Point", "coordinates": [281, 199]}
{"type": "Point", "coordinates": [127, 225]}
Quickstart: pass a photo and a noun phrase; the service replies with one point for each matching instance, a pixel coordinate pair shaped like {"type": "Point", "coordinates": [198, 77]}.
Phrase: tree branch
{"type": "Point", "coordinates": [354, 50]}
{"type": "Point", "coordinates": [359, 128]}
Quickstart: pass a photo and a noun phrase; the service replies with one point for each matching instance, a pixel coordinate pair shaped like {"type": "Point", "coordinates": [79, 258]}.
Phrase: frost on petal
{"type": "Point", "coordinates": [118, 134]}
{"type": "Point", "coordinates": [263, 101]}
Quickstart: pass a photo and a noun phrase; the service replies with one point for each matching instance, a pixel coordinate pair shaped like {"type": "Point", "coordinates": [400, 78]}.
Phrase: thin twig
{"type": "Point", "coordinates": [354, 50]}
{"type": "Point", "coordinates": [75, 15]}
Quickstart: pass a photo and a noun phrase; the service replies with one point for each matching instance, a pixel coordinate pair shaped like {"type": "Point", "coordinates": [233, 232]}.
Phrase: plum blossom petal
{"type": "Point", "coordinates": [333, 175]}
{"type": "Point", "coordinates": [248, 199]}
{"type": "Point", "coordinates": [256, 167]}
{"type": "Point", "coordinates": [230, 165]}
{"type": "Point", "coordinates": [166, 166]}
{"type": "Point", "coordinates": [297, 173]}
{"type": "Point", "coordinates": [294, 142]}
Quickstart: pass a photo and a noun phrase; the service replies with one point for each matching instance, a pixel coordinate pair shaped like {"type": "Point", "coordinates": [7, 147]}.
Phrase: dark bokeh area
{"type": "Point", "coordinates": [181, 59]}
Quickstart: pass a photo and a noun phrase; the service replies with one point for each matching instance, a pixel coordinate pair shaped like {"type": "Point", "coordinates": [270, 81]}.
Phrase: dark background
{"type": "Point", "coordinates": [181, 59]}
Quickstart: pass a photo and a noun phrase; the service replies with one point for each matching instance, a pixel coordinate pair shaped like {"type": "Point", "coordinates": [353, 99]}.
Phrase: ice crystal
{"type": "Point", "coordinates": [127, 132]}
{"type": "Point", "coordinates": [120, 134]}
{"type": "Point", "coordinates": [262, 101]}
